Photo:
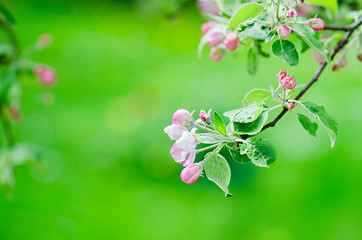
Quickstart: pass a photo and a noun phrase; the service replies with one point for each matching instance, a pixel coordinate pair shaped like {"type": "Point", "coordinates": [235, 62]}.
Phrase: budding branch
{"type": "Point", "coordinates": [315, 78]}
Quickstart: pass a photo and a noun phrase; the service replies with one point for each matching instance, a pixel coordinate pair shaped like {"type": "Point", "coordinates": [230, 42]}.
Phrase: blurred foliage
{"type": "Point", "coordinates": [109, 173]}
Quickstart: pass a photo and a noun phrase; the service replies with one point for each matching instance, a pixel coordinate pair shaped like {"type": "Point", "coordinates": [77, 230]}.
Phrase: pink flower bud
{"type": "Point", "coordinates": [282, 73]}
{"type": "Point", "coordinates": [231, 41]}
{"type": "Point", "coordinates": [47, 75]}
{"type": "Point", "coordinates": [175, 131]}
{"type": "Point", "coordinates": [215, 37]}
{"type": "Point", "coordinates": [15, 113]}
{"type": "Point", "coordinates": [335, 68]}
{"type": "Point", "coordinates": [181, 116]}
{"type": "Point", "coordinates": [45, 40]}
{"type": "Point", "coordinates": [318, 57]}
{"type": "Point", "coordinates": [216, 54]}
{"type": "Point", "coordinates": [206, 27]}
{"type": "Point", "coordinates": [204, 116]}
{"type": "Point", "coordinates": [284, 31]}
{"type": "Point", "coordinates": [343, 63]}
{"type": "Point", "coordinates": [359, 56]}
{"type": "Point", "coordinates": [288, 82]}
{"type": "Point", "coordinates": [316, 23]}
{"type": "Point", "coordinates": [291, 13]}
{"type": "Point", "coordinates": [191, 173]}
{"type": "Point", "coordinates": [291, 105]}
{"type": "Point", "coordinates": [208, 7]}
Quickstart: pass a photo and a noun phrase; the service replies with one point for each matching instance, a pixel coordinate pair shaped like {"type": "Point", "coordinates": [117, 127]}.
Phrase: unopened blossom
{"type": "Point", "coordinates": [191, 173]}
{"type": "Point", "coordinates": [291, 13]}
{"type": "Point", "coordinates": [215, 38]}
{"type": "Point", "coordinates": [175, 131]}
{"type": "Point", "coordinates": [282, 73]}
{"type": "Point", "coordinates": [316, 23]}
{"type": "Point", "coordinates": [206, 27]}
{"type": "Point", "coordinates": [288, 82]}
{"type": "Point", "coordinates": [343, 63]}
{"type": "Point", "coordinates": [335, 67]}
{"type": "Point", "coordinates": [15, 113]}
{"type": "Point", "coordinates": [291, 105]}
{"type": "Point", "coordinates": [208, 7]}
{"type": "Point", "coordinates": [359, 56]}
{"type": "Point", "coordinates": [217, 54]}
{"type": "Point", "coordinates": [181, 116]}
{"type": "Point", "coordinates": [47, 75]}
{"type": "Point", "coordinates": [318, 57]}
{"type": "Point", "coordinates": [231, 41]}
{"type": "Point", "coordinates": [45, 40]}
{"type": "Point", "coordinates": [284, 31]}
{"type": "Point", "coordinates": [204, 116]}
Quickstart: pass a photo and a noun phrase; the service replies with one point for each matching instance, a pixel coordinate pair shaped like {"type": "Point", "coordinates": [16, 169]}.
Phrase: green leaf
{"type": "Point", "coordinates": [270, 35]}
{"type": "Point", "coordinates": [285, 50]}
{"type": "Point", "coordinates": [252, 60]}
{"type": "Point", "coordinates": [219, 124]}
{"type": "Point", "coordinates": [251, 127]}
{"type": "Point", "coordinates": [311, 41]}
{"type": "Point", "coordinates": [324, 118]}
{"type": "Point", "coordinates": [249, 113]}
{"type": "Point", "coordinates": [307, 124]}
{"type": "Point", "coordinates": [331, 5]}
{"type": "Point", "coordinates": [245, 12]}
{"type": "Point", "coordinates": [6, 15]}
{"type": "Point", "coordinates": [261, 152]}
{"type": "Point", "coordinates": [201, 45]}
{"type": "Point", "coordinates": [256, 97]}
{"type": "Point", "coordinates": [258, 31]}
{"type": "Point", "coordinates": [240, 158]}
{"type": "Point", "coordinates": [217, 170]}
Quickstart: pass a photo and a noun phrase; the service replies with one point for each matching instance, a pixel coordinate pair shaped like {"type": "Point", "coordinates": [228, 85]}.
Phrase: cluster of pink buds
{"type": "Point", "coordinates": [47, 75]}
{"type": "Point", "coordinates": [219, 40]}
{"type": "Point", "coordinates": [286, 81]}
{"type": "Point", "coordinates": [205, 116]}
{"type": "Point", "coordinates": [183, 151]}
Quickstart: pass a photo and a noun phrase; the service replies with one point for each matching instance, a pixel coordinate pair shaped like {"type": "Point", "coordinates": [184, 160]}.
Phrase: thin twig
{"type": "Point", "coordinates": [334, 52]}
{"type": "Point", "coordinates": [337, 28]}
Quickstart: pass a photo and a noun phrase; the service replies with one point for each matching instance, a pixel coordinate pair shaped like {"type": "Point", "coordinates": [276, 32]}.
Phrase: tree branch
{"type": "Point", "coordinates": [337, 28]}
{"type": "Point", "coordinates": [334, 52]}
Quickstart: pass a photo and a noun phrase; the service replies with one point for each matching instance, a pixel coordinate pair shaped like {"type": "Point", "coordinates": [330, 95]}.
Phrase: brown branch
{"type": "Point", "coordinates": [338, 47]}
{"type": "Point", "coordinates": [336, 28]}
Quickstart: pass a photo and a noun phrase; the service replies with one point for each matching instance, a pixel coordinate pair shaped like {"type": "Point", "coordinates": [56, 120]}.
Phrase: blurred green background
{"type": "Point", "coordinates": [123, 69]}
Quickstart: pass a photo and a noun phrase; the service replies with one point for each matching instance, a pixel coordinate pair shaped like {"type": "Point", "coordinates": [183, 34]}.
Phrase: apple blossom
{"type": "Point", "coordinates": [282, 73]}
{"type": "Point", "coordinates": [291, 105]}
{"type": "Point", "coordinates": [216, 54]}
{"type": "Point", "coordinates": [47, 75]}
{"type": "Point", "coordinates": [288, 82]}
{"type": "Point", "coordinates": [175, 131]}
{"type": "Point", "coordinates": [191, 173]}
{"type": "Point", "coordinates": [215, 37]}
{"type": "Point", "coordinates": [291, 13]}
{"type": "Point", "coordinates": [182, 156]}
{"type": "Point", "coordinates": [335, 67]}
{"type": "Point", "coordinates": [231, 41]}
{"type": "Point", "coordinates": [206, 27]}
{"type": "Point", "coordinates": [316, 23]}
{"type": "Point", "coordinates": [343, 63]}
{"type": "Point", "coordinates": [284, 31]}
{"type": "Point", "coordinates": [181, 116]}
